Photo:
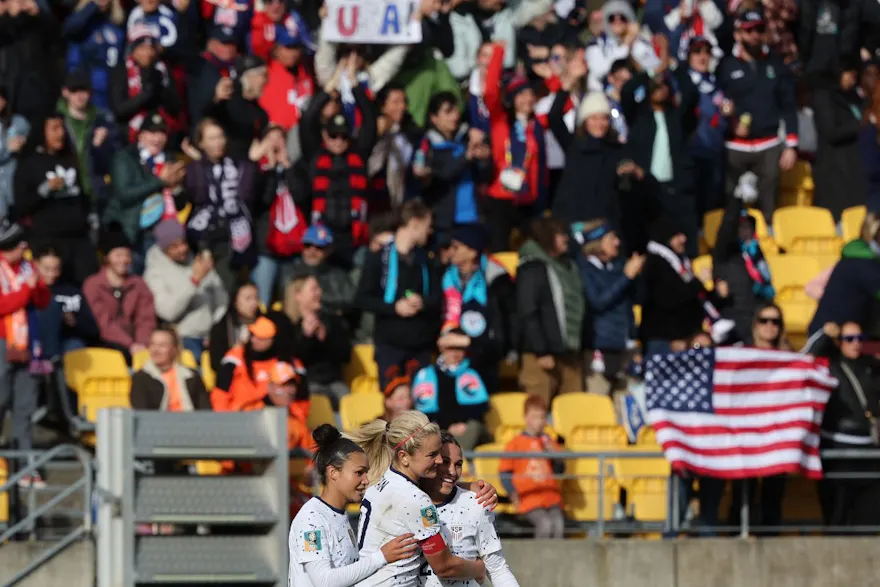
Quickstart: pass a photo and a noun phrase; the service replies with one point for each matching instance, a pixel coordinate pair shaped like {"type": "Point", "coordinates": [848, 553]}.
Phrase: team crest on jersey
{"type": "Point", "coordinates": [457, 532]}
{"type": "Point", "coordinates": [312, 540]}
{"type": "Point", "coordinates": [429, 516]}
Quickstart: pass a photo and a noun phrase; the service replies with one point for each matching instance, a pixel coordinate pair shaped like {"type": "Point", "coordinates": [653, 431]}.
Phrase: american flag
{"type": "Point", "coordinates": [737, 412]}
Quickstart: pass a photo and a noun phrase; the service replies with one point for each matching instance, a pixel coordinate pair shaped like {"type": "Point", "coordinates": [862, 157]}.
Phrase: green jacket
{"type": "Point", "coordinates": [858, 249]}
{"type": "Point", "coordinates": [132, 184]}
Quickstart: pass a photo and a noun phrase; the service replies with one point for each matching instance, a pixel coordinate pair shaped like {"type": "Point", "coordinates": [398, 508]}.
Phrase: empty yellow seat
{"type": "Point", "coordinates": [320, 411]}
{"type": "Point", "coordinates": [646, 438]}
{"type": "Point", "coordinates": [581, 491]}
{"type": "Point", "coordinates": [587, 419]}
{"type": "Point", "coordinates": [790, 274]}
{"type": "Point", "coordinates": [852, 220]}
{"type": "Point", "coordinates": [187, 359]}
{"type": "Point", "coordinates": [357, 409]}
{"type": "Point", "coordinates": [505, 417]}
{"type": "Point", "coordinates": [364, 383]}
{"type": "Point", "coordinates": [508, 260]}
{"type": "Point", "coordinates": [805, 229]}
{"type": "Point", "coordinates": [796, 186]}
{"type": "Point", "coordinates": [646, 483]}
{"type": "Point", "coordinates": [91, 362]}
{"type": "Point", "coordinates": [700, 265]}
{"type": "Point", "coordinates": [361, 363]}
{"type": "Point", "coordinates": [487, 470]}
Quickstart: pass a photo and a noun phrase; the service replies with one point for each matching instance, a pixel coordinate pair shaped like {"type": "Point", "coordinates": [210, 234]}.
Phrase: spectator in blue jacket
{"type": "Point", "coordinates": [95, 39]}
{"type": "Point", "coordinates": [700, 92]}
{"type": "Point", "coordinates": [609, 328]}
{"type": "Point", "coordinates": [14, 131]}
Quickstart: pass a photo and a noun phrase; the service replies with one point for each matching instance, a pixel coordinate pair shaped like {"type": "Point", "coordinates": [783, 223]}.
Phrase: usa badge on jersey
{"type": "Point", "coordinates": [429, 516]}
{"type": "Point", "coordinates": [312, 540]}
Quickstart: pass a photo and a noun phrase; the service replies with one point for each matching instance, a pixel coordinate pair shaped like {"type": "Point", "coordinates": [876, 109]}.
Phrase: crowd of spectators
{"type": "Point", "coordinates": [212, 175]}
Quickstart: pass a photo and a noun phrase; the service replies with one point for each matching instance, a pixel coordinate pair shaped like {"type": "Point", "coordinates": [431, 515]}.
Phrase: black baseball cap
{"type": "Point", "coordinates": [78, 80]}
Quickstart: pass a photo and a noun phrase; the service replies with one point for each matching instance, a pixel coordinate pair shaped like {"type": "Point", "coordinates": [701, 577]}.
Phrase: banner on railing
{"type": "Point", "coordinates": [382, 22]}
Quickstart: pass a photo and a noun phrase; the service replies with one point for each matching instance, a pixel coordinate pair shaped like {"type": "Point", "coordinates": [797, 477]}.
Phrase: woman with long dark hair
{"type": "Point", "coordinates": [50, 201]}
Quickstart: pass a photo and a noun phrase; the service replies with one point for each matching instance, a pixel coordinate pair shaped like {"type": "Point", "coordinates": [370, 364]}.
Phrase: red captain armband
{"type": "Point", "coordinates": [433, 545]}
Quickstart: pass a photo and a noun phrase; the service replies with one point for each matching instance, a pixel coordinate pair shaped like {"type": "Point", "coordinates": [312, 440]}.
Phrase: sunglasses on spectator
{"type": "Point", "coordinates": [852, 338]}
{"type": "Point", "coordinates": [617, 17]}
{"type": "Point", "coordinates": [769, 320]}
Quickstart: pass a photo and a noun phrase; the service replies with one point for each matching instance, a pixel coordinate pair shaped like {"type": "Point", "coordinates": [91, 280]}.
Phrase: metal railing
{"type": "Point", "coordinates": [673, 524]}
{"type": "Point", "coordinates": [27, 524]}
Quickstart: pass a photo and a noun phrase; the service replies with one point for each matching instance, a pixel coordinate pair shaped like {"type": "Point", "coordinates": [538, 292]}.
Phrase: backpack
{"type": "Point", "coordinates": [287, 225]}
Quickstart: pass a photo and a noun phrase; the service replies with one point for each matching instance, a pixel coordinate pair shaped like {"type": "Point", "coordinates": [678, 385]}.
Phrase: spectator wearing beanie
{"type": "Point", "coordinates": [141, 84]}
{"type": "Point", "coordinates": [596, 182]}
{"type": "Point", "coordinates": [550, 310]}
{"type": "Point", "coordinates": [451, 393]}
{"type": "Point", "coordinates": [121, 302]}
{"type": "Point", "coordinates": [609, 287]}
{"type": "Point", "coordinates": [211, 80]}
{"type": "Point", "coordinates": [93, 132]}
{"type": "Point", "coordinates": [147, 187]}
{"type": "Point", "coordinates": [49, 198]}
{"type": "Point", "coordinates": [675, 301]}
{"type": "Point", "coordinates": [456, 163]}
{"type": "Point", "coordinates": [518, 191]}
{"type": "Point", "coordinates": [22, 293]}
{"type": "Point", "coordinates": [480, 300]}
{"type": "Point", "coordinates": [95, 37]}
{"type": "Point", "coordinates": [187, 291]}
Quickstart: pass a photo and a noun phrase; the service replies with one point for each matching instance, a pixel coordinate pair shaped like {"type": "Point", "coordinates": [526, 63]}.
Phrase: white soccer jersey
{"type": "Point", "coordinates": [319, 531]}
{"type": "Point", "coordinates": [469, 532]}
{"type": "Point", "coordinates": [394, 506]}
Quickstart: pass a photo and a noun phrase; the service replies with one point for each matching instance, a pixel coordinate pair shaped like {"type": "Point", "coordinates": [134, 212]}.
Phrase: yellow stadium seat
{"type": "Point", "coordinates": [365, 383]}
{"type": "Point", "coordinates": [505, 415]}
{"type": "Point", "coordinates": [356, 409]}
{"type": "Point", "coordinates": [790, 273]}
{"type": "Point", "coordinates": [580, 493]}
{"type": "Point", "coordinates": [81, 363]}
{"type": "Point", "coordinates": [637, 314]}
{"type": "Point", "coordinates": [805, 229]}
{"type": "Point", "coordinates": [796, 186]}
{"type": "Point", "coordinates": [100, 392]}
{"type": "Point", "coordinates": [140, 359]}
{"type": "Point", "coordinates": [646, 438]}
{"type": "Point", "coordinates": [208, 375]}
{"type": "Point", "coordinates": [361, 363]}
{"type": "Point", "coordinates": [486, 469]}
{"type": "Point", "coordinates": [4, 497]}
{"type": "Point", "coordinates": [711, 224]}
{"type": "Point", "coordinates": [646, 483]}
{"type": "Point", "coordinates": [700, 265]}
{"type": "Point", "coordinates": [587, 418]}
{"type": "Point", "coordinates": [508, 260]}
{"type": "Point", "coordinates": [852, 220]}
{"type": "Point", "coordinates": [320, 411]}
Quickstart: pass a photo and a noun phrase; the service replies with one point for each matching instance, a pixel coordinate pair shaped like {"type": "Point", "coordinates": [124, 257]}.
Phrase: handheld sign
{"type": "Point", "coordinates": [380, 22]}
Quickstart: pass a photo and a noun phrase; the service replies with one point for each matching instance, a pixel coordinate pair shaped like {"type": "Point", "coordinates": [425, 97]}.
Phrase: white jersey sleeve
{"type": "Point", "coordinates": [487, 537]}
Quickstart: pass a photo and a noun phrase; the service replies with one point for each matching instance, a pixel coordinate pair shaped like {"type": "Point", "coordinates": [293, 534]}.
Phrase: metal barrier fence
{"type": "Point", "coordinates": [605, 461]}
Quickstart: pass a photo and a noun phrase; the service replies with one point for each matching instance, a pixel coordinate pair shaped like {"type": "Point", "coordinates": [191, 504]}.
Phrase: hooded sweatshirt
{"type": "Point", "coordinates": [606, 48]}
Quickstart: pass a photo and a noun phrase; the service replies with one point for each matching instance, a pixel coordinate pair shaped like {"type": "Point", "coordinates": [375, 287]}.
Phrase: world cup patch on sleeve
{"type": "Point", "coordinates": [312, 540]}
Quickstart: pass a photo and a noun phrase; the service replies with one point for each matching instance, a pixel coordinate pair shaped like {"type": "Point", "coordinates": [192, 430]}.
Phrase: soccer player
{"type": "Point", "coordinates": [401, 453]}
{"type": "Point", "coordinates": [322, 545]}
{"type": "Point", "coordinates": [466, 527]}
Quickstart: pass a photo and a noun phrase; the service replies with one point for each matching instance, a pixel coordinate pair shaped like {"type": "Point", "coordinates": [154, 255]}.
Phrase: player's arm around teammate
{"type": "Point", "coordinates": [322, 547]}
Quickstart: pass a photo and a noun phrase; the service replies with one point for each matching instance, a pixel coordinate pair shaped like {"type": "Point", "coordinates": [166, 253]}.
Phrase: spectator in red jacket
{"type": "Point", "coordinates": [519, 190]}
{"type": "Point", "coordinates": [121, 302]}
{"type": "Point", "coordinates": [21, 294]}
{"type": "Point", "coordinates": [266, 25]}
{"type": "Point", "coordinates": [291, 83]}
